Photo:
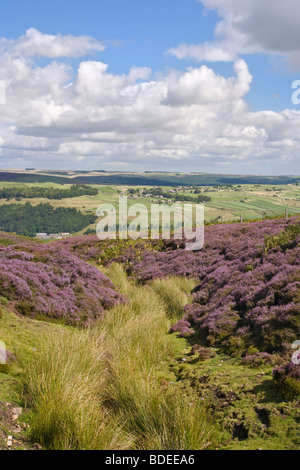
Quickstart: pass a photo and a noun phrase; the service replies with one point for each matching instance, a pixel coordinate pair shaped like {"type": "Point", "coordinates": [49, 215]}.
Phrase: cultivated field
{"type": "Point", "coordinates": [227, 204]}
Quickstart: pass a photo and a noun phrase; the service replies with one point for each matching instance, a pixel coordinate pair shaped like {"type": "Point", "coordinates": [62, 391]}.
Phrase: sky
{"type": "Point", "coordinates": [139, 85]}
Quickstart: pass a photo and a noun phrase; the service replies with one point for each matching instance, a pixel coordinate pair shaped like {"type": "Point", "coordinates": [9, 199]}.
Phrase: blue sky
{"type": "Point", "coordinates": [129, 85]}
{"type": "Point", "coordinates": [137, 32]}
{"type": "Point", "coordinates": [140, 32]}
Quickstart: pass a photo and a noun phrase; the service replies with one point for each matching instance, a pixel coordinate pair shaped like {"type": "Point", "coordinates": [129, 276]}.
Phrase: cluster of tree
{"type": "Point", "coordinates": [159, 192]}
{"type": "Point", "coordinates": [172, 195]}
{"type": "Point", "coordinates": [203, 198]}
{"type": "Point", "coordinates": [28, 220]}
{"type": "Point", "coordinates": [90, 231]}
{"type": "Point", "coordinates": [152, 191]}
{"type": "Point", "coordinates": [199, 199]}
{"type": "Point", "coordinates": [29, 192]}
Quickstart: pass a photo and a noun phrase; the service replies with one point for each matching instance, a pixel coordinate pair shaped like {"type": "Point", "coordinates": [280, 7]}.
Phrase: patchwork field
{"type": "Point", "coordinates": [227, 204]}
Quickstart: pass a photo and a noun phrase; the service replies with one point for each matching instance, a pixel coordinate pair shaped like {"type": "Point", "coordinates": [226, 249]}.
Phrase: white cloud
{"type": "Point", "coordinates": [89, 117]}
{"type": "Point", "coordinates": [247, 27]}
{"type": "Point", "coordinates": [201, 86]}
{"type": "Point", "coordinates": [34, 43]}
{"type": "Point", "coordinates": [204, 52]}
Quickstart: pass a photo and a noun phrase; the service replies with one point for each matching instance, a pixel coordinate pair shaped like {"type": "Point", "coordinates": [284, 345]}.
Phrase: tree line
{"type": "Point", "coordinates": [28, 220]}
{"type": "Point", "coordinates": [30, 192]}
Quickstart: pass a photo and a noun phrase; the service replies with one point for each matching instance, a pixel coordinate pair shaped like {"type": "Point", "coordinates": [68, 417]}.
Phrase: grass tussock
{"type": "Point", "coordinates": [102, 388]}
{"type": "Point", "coordinates": [175, 294]}
{"type": "Point", "coordinates": [64, 388]}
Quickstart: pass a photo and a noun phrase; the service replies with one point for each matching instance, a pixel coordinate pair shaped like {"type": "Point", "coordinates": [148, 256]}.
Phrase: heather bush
{"type": "Point", "coordinates": [284, 239]}
{"type": "Point", "coordinates": [259, 359]}
{"type": "Point", "coordinates": [248, 285]}
{"type": "Point", "coordinates": [287, 379]}
{"type": "Point", "coordinates": [202, 353]}
{"type": "Point", "coordinates": [248, 291]}
{"type": "Point", "coordinates": [46, 281]}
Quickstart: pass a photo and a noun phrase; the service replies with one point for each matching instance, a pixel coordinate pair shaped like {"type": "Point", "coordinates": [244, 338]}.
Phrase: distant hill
{"type": "Point", "coordinates": [141, 179]}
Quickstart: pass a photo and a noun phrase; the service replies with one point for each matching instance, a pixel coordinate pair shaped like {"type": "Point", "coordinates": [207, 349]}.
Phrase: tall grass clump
{"type": "Point", "coordinates": [157, 416]}
{"type": "Point", "coordinates": [64, 387]}
{"type": "Point", "coordinates": [108, 387]}
{"type": "Point", "coordinates": [175, 293]}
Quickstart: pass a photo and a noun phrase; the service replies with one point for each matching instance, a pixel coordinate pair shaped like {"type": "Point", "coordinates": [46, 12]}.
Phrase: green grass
{"type": "Point", "coordinates": [159, 416]}
{"type": "Point", "coordinates": [111, 387]}
{"type": "Point", "coordinates": [175, 294]}
{"type": "Point", "coordinates": [127, 383]}
{"type": "Point", "coordinates": [22, 337]}
{"type": "Point", "coordinates": [245, 402]}
{"type": "Point", "coordinates": [64, 388]}
{"type": "Point", "coordinates": [225, 203]}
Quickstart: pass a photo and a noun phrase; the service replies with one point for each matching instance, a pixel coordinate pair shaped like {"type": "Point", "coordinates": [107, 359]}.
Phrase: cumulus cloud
{"type": "Point", "coordinates": [57, 116]}
{"type": "Point", "coordinates": [201, 85]}
{"type": "Point", "coordinates": [36, 44]}
{"type": "Point", "coordinates": [247, 27]}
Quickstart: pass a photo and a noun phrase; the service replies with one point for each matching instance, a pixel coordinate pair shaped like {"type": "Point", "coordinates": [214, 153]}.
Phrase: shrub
{"type": "Point", "coordinates": [259, 359]}
{"type": "Point", "coordinates": [287, 380]}
{"type": "Point", "coordinates": [24, 308]}
{"type": "Point", "coordinates": [246, 295]}
{"type": "Point", "coordinates": [202, 353]}
{"type": "Point", "coordinates": [249, 267]}
{"type": "Point", "coordinates": [46, 281]}
{"type": "Point", "coordinates": [290, 389]}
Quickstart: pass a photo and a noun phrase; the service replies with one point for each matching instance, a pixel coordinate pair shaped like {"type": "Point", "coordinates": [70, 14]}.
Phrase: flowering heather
{"type": "Point", "coordinates": [290, 370]}
{"type": "Point", "coordinates": [44, 280]}
{"type": "Point", "coordinates": [259, 359]}
{"type": "Point", "coordinates": [90, 248]}
{"type": "Point", "coordinates": [248, 294]}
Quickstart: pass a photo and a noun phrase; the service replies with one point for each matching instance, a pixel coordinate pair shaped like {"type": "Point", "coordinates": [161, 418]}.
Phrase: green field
{"type": "Point", "coordinates": [227, 204]}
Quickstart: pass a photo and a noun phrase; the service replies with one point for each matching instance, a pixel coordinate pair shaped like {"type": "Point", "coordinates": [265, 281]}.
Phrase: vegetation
{"type": "Point", "coordinates": [173, 196]}
{"type": "Point", "coordinates": [28, 220]}
{"type": "Point", "coordinates": [130, 385]}
{"type": "Point", "coordinates": [46, 281]}
{"type": "Point", "coordinates": [66, 393]}
{"type": "Point", "coordinates": [114, 391]}
{"type": "Point", "coordinates": [30, 192]}
{"type": "Point", "coordinates": [245, 297]}
{"type": "Point", "coordinates": [143, 179]}
{"type": "Point", "coordinates": [284, 239]}
{"type": "Point", "coordinates": [148, 345]}
{"type": "Point", "coordinates": [223, 202]}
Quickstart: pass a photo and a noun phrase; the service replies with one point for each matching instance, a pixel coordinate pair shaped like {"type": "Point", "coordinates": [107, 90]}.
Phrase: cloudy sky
{"type": "Point", "coordinates": [137, 85]}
